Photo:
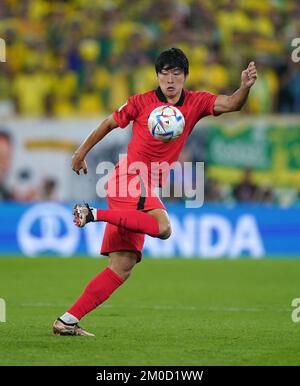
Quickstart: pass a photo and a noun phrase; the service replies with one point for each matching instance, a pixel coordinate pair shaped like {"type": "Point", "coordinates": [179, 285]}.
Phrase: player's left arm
{"type": "Point", "coordinates": [234, 102]}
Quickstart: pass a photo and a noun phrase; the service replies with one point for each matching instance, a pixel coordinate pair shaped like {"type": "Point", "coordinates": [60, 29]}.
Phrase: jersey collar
{"type": "Point", "coordinates": [161, 96]}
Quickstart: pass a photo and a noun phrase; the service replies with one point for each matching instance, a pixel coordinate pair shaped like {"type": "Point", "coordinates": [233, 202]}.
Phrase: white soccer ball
{"type": "Point", "coordinates": [166, 123]}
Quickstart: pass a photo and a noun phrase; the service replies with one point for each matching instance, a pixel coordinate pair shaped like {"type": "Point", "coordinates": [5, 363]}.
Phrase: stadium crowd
{"type": "Point", "coordinates": [84, 57]}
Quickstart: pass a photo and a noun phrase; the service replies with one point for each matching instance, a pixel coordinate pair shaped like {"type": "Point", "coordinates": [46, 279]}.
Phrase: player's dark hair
{"type": "Point", "coordinates": [172, 58]}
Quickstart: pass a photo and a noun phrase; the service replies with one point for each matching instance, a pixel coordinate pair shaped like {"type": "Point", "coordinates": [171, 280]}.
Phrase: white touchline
{"type": "Point", "coordinates": [2, 310]}
{"type": "Point", "coordinates": [171, 307]}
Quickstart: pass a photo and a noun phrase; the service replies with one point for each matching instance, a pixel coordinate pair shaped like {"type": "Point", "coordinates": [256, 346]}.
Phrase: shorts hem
{"type": "Point", "coordinates": [138, 253]}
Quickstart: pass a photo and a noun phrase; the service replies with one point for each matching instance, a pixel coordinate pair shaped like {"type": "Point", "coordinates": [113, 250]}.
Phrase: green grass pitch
{"type": "Point", "coordinates": [170, 312]}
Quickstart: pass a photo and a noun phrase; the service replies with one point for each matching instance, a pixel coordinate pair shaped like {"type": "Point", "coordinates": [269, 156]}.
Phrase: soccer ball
{"type": "Point", "coordinates": [166, 123]}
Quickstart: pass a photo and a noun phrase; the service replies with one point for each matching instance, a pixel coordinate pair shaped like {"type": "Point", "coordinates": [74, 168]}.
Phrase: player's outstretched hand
{"type": "Point", "coordinates": [249, 75]}
{"type": "Point", "coordinates": [78, 163]}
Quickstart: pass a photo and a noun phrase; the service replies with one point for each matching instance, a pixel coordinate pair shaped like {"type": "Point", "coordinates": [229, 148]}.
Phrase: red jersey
{"type": "Point", "coordinates": [143, 147]}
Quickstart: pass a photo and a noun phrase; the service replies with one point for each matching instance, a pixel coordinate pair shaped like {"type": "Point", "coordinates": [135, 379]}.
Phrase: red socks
{"type": "Point", "coordinates": [133, 220]}
{"type": "Point", "coordinates": [105, 283]}
{"type": "Point", "coordinates": [96, 292]}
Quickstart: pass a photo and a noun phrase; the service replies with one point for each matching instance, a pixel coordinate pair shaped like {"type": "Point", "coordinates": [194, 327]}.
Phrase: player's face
{"type": "Point", "coordinates": [171, 82]}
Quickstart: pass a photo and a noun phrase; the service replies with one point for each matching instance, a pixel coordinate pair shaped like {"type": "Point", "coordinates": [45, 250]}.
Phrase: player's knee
{"type": "Point", "coordinates": [125, 274]}
{"type": "Point", "coordinates": [122, 263]}
{"type": "Point", "coordinates": [165, 231]}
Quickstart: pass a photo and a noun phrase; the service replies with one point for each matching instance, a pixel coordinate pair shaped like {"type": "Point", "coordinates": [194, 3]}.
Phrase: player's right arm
{"type": "Point", "coordinates": [78, 159]}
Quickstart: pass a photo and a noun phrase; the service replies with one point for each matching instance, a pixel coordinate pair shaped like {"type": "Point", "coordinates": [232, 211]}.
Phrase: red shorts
{"type": "Point", "coordinates": [127, 191]}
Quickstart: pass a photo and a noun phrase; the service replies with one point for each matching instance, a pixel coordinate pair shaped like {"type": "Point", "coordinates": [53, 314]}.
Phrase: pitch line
{"type": "Point", "coordinates": [166, 307]}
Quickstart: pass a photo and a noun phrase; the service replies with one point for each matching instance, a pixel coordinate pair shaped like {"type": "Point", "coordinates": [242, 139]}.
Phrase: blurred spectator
{"type": "Point", "coordinates": [289, 93]}
{"type": "Point", "coordinates": [285, 99]}
{"type": "Point", "coordinates": [48, 190]}
{"type": "Point", "coordinates": [294, 87]}
{"type": "Point", "coordinates": [213, 192]}
{"type": "Point", "coordinates": [262, 99]}
{"type": "Point", "coordinates": [246, 190]}
{"type": "Point", "coordinates": [31, 89]}
{"type": "Point", "coordinates": [5, 163]}
{"type": "Point", "coordinates": [266, 195]}
{"type": "Point", "coordinates": [26, 190]}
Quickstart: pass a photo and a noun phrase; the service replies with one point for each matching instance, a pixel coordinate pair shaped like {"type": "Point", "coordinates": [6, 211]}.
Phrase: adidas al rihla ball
{"type": "Point", "coordinates": [166, 123]}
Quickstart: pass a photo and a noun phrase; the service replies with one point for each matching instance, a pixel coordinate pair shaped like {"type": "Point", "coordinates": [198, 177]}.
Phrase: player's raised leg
{"type": "Point", "coordinates": [96, 292]}
{"type": "Point", "coordinates": [154, 223]}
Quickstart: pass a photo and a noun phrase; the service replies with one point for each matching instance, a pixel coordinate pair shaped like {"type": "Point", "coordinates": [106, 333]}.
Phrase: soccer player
{"type": "Point", "coordinates": [130, 216]}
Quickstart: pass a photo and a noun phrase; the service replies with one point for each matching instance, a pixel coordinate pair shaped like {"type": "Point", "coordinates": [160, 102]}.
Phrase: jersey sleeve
{"type": "Point", "coordinates": [205, 104]}
{"type": "Point", "coordinates": [126, 113]}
